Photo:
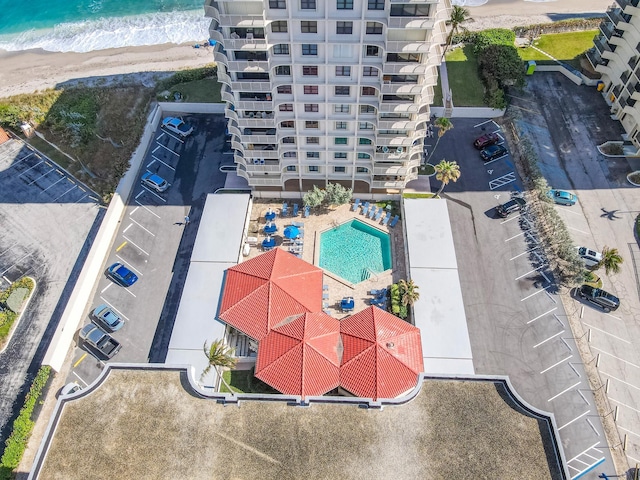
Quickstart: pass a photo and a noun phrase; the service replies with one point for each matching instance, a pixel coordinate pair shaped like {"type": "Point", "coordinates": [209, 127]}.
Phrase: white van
{"type": "Point", "coordinates": [591, 258]}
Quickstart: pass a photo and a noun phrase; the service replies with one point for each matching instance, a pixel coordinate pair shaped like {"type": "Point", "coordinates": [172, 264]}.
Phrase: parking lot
{"type": "Point", "coordinates": [154, 242]}
{"type": "Point", "coordinates": [49, 220]}
{"type": "Point", "coordinates": [517, 323]}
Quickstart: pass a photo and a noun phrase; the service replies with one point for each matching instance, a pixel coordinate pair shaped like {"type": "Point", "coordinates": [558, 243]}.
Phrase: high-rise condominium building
{"type": "Point", "coordinates": [324, 91]}
{"type": "Point", "coordinates": [615, 55]}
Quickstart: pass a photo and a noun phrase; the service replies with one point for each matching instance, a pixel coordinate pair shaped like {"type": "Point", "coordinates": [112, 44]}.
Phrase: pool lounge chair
{"type": "Point", "coordinates": [285, 210]}
{"type": "Point", "coordinates": [379, 214]}
{"type": "Point", "coordinates": [386, 219]}
{"type": "Point", "coordinates": [298, 224]}
{"type": "Point", "coordinates": [373, 212]}
{"type": "Point", "coordinates": [356, 205]}
{"type": "Point", "coordinates": [307, 210]}
{"type": "Point", "coordinates": [382, 291]}
{"type": "Point", "coordinates": [394, 221]}
{"type": "Point", "coordinates": [365, 210]}
{"type": "Point", "coordinates": [325, 296]}
{"type": "Point", "coordinates": [325, 287]}
{"type": "Point", "coordinates": [295, 210]}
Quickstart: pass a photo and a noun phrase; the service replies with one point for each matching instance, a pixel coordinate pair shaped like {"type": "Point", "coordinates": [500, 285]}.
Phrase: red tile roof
{"type": "Point", "coordinates": [382, 354]}
{"type": "Point", "coordinates": [262, 292]}
{"type": "Point", "coordinates": [4, 136]}
{"type": "Point", "coordinates": [301, 356]}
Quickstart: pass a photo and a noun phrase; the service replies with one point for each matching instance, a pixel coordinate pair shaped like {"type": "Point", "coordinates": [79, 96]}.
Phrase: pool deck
{"type": "Point", "coordinates": [313, 226]}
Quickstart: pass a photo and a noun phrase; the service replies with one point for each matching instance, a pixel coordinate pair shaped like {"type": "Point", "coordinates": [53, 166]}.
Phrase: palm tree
{"type": "Point", "coordinates": [218, 355]}
{"type": "Point", "coordinates": [409, 292]}
{"type": "Point", "coordinates": [459, 15]}
{"type": "Point", "coordinates": [611, 260]}
{"type": "Point", "coordinates": [447, 171]}
{"type": "Point", "coordinates": [443, 124]}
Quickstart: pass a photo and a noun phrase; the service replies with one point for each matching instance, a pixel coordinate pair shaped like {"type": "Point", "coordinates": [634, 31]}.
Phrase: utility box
{"type": "Point", "coordinates": [531, 67]}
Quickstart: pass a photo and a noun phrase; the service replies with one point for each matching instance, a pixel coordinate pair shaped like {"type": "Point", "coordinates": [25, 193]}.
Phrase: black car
{"type": "Point", "coordinates": [602, 299]}
{"type": "Point", "coordinates": [493, 152]}
{"type": "Point", "coordinates": [514, 205]}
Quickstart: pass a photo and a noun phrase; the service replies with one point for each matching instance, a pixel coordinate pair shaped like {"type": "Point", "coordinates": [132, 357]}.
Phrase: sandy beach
{"type": "Point", "coordinates": [28, 71]}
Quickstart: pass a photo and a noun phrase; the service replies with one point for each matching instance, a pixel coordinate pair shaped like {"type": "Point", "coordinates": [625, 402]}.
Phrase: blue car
{"type": "Point", "coordinates": [121, 275]}
{"type": "Point", "coordinates": [562, 197]}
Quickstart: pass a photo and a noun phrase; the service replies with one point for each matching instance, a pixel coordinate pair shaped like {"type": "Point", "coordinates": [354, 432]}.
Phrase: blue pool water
{"type": "Point", "coordinates": [354, 250]}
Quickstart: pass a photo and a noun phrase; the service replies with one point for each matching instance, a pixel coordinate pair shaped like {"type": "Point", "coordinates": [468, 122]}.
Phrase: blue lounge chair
{"type": "Point", "coordinates": [325, 296]}
{"type": "Point", "coordinates": [325, 287]}
{"type": "Point", "coordinates": [307, 210]}
{"type": "Point", "coordinates": [365, 210]}
{"type": "Point", "coordinates": [356, 205]}
{"type": "Point", "coordinates": [373, 212]}
{"type": "Point", "coordinates": [295, 210]}
{"type": "Point", "coordinates": [382, 293]}
{"type": "Point", "coordinates": [379, 214]}
{"type": "Point", "coordinates": [386, 219]}
{"type": "Point", "coordinates": [394, 221]}
{"type": "Point", "coordinates": [297, 224]}
{"type": "Point", "coordinates": [285, 210]}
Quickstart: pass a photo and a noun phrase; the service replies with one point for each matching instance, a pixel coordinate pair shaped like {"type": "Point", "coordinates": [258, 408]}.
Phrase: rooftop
{"type": "Point", "coordinates": [154, 428]}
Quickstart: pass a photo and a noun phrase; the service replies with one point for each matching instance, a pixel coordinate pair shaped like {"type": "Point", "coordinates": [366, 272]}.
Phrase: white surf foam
{"type": "Point", "coordinates": [114, 32]}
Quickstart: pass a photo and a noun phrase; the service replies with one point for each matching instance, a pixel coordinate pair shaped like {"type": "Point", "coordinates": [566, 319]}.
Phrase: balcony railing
{"type": "Point", "coordinates": [624, 3]}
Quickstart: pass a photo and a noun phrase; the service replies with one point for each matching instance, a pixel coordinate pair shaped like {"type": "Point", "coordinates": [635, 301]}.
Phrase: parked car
{"type": "Point", "coordinates": [106, 318]}
{"type": "Point", "coordinates": [591, 258]}
{"type": "Point", "coordinates": [176, 125]}
{"type": "Point", "coordinates": [514, 205]}
{"type": "Point", "coordinates": [599, 297]}
{"type": "Point", "coordinates": [70, 388]}
{"type": "Point", "coordinates": [121, 275]}
{"type": "Point", "coordinates": [486, 140]}
{"type": "Point", "coordinates": [492, 152]}
{"type": "Point", "coordinates": [154, 182]}
{"type": "Point", "coordinates": [562, 197]}
{"type": "Point", "coordinates": [100, 340]}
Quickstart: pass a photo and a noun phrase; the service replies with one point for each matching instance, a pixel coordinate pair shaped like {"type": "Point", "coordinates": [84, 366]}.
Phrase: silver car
{"type": "Point", "coordinates": [154, 182]}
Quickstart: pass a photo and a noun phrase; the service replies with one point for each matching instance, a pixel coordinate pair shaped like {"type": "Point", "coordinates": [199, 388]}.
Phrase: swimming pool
{"type": "Point", "coordinates": [355, 251]}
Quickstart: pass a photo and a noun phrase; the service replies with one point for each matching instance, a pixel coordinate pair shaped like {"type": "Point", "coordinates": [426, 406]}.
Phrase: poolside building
{"type": "Point", "coordinates": [335, 91]}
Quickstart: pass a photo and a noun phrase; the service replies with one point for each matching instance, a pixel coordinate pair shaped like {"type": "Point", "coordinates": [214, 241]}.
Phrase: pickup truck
{"type": "Point", "coordinates": [100, 340]}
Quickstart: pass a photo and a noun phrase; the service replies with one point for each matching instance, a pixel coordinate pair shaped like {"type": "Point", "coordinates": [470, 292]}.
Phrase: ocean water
{"type": "Point", "coordinates": [87, 25]}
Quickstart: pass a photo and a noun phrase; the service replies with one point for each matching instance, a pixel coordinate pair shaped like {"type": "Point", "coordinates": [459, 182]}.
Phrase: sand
{"type": "Point", "coordinates": [29, 71]}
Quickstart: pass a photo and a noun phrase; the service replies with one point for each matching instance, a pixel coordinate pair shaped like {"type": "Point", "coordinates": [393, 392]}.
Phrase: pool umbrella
{"type": "Point", "coordinates": [291, 232]}
{"type": "Point", "coordinates": [270, 228]}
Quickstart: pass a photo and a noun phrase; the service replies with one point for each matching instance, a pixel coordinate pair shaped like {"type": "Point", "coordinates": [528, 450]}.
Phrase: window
{"type": "Point", "coordinates": [344, 28]}
{"type": "Point", "coordinates": [342, 90]}
{"type": "Point", "coordinates": [310, 89]}
{"type": "Point", "coordinates": [369, 72]}
{"type": "Point", "coordinates": [283, 70]}
{"type": "Point", "coordinates": [339, 169]}
{"type": "Point", "coordinates": [313, 140]}
{"type": "Point", "coordinates": [340, 155]}
{"type": "Point", "coordinates": [310, 71]}
{"type": "Point", "coordinates": [309, 49]}
{"type": "Point", "coordinates": [340, 141]}
{"type": "Point", "coordinates": [367, 91]}
{"type": "Point", "coordinates": [307, 4]}
{"type": "Point", "coordinates": [289, 140]}
{"type": "Point", "coordinates": [365, 126]}
{"type": "Point", "coordinates": [280, 27]}
{"type": "Point", "coordinates": [287, 124]}
{"type": "Point", "coordinates": [308, 27]}
{"type": "Point", "coordinates": [342, 51]}
{"type": "Point", "coordinates": [313, 168]}
{"type": "Point", "coordinates": [291, 168]}
{"type": "Point", "coordinates": [373, 28]}
{"type": "Point", "coordinates": [281, 49]}
{"type": "Point", "coordinates": [310, 107]}
{"type": "Point", "coordinates": [286, 107]}
{"type": "Point", "coordinates": [408, 10]}
{"type": "Point", "coordinates": [341, 125]}
{"type": "Point", "coordinates": [277, 4]}
{"type": "Point", "coordinates": [364, 156]}
{"type": "Point", "coordinates": [313, 154]}
{"type": "Point", "coordinates": [364, 141]}
{"type": "Point", "coordinates": [372, 51]}
{"type": "Point", "coordinates": [367, 109]}
{"type": "Point", "coordinates": [284, 89]}
{"type": "Point", "coordinates": [403, 57]}
{"type": "Point", "coordinates": [290, 155]}
{"type": "Point", "coordinates": [343, 71]}
{"type": "Point", "coordinates": [341, 108]}
{"type": "Point", "coordinates": [311, 124]}
{"type": "Point", "coordinates": [376, 5]}
{"type": "Point", "coordinates": [345, 5]}
{"type": "Point", "coordinates": [362, 169]}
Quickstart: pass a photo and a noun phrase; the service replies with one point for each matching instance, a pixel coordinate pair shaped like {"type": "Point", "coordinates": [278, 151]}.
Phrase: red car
{"type": "Point", "coordinates": [486, 140]}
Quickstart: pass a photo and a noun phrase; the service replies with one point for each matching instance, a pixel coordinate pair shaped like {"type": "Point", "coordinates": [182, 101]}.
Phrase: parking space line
{"type": "Point", "coordinates": [60, 196]}
{"type": "Point", "coordinates": [148, 231]}
{"type": "Point", "coordinates": [128, 227]}
{"type": "Point", "coordinates": [613, 316]}
{"type": "Point", "coordinates": [121, 246]}
{"type": "Point", "coordinates": [621, 381]}
{"type": "Point", "coordinates": [524, 253]}
{"type": "Point", "coordinates": [134, 211]}
{"type": "Point", "coordinates": [607, 333]}
{"type": "Point", "coordinates": [510, 219]}
{"type": "Point", "coordinates": [616, 357]}
{"type": "Point", "coordinates": [135, 245]}
{"type": "Point", "coordinates": [564, 209]}
{"type": "Point", "coordinates": [550, 338]}
{"type": "Point", "coordinates": [534, 270]}
{"type": "Point", "coordinates": [140, 274]}
{"type": "Point", "coordinates": [595, 430]}
{"type": "Point", "coordinates": [167, 148]}
{"type": "Point", "coordinates": [173, 136]}
{"type": "Point", "coordinates": [549, 295]}
{"type": "Point", "coordinates": [535, 293]}
{"type": "Point", "coordinates": [81, 379]}
{"type": "Point", "coordinates": [593, 447]}
{"type": "Point", "coordinates": [564, 391]}
{"type": "Point", "coordinates": [581, 394]}
{"type": "Point", "coordinates": [53, 184]}
{"type": "Point", "coordinates": [114, 308]}
{"type": "Point", "coordinates": [30, 168]}
{"type": "Point", "coordinates": [515, 236]}
{"type": "Point", "coordinates": [578, 230]}
{"type": "Point", "coordinates": [574, 420]}
{"type": "Point", "coordinates": [41, 176]}
{"type": "Point", "coordinates": [82, 198]}
{"type": "Point", "coordinates": [555, 365]}
{"type": "Point", "coordinates": [540, 316]}
{"type": "Point", "coordinates": [495, 160]}
{"type": "Point", "coordinates": [130, 292]}
{"type": "Point", "coordinates": [153, 193]}
{"type": "Point", "coordinates": [624, 404]}
{"type": "Point", "coordinates": [162, 134]}
{"type": "Point", "coordinates": [480, 124]}
{"type": "Point", "coordinates": [80, 360]}
{"type": "Point", "coordinates": [154, 214]}
{"type": "Point", "coordinates": [164, 163]}
{"type": "Point", "coordinates": [106, 288]}
{"type": "Point", "coordinates": [139, 194]}
{"type": "Point", "coordinates": [629, 431]}
{"type": "Point", "coordinates": [16, 263]}
{"type": "Point", "coordinates": [155, 149]}
{"type": "Point", "coordinates": [633, 458]}
{"type": "Point", "coordinates": [503, 180]}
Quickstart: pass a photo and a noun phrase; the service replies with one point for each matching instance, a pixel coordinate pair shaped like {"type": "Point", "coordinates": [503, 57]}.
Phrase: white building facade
{"type": "Point", "coordinates": [324, 91]}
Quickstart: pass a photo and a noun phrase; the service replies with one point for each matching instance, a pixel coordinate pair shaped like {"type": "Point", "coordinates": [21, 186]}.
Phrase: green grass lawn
{"type": "Point", "coordinates": [467, 88]}
{"type": "Point", "coordinates": [566, 47]}
{"type": "Point", "coordinates": [437, 94]}
{"type": "Point", "coordinates": [243, 381]}
{"type": "Point", "coordinates": [206, 90]}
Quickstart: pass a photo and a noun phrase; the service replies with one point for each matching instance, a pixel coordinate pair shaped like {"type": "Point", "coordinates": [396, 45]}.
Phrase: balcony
{"type": "Point", "coordinates": [616, 16]}
{"type": "Point", "coordinates": [254, 105]}
{"type": "Point", "coordinates": [402, 88]}
{"type": "Point", "coordinates": [424, 23]}
{"type": "Point", "coordinates": [405, 68]}
{"type": "Point", "coordinates": [408, 47]}
{"type": "Point", "coordinates": [241, 21]}
{"type": "Point", "coordinates": [625, 3]}
{"type": "Point", "coordinates": [260, 86]}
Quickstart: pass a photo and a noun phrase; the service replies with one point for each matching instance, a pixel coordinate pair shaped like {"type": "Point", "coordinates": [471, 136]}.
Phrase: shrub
{"type": "Point", "coordinates": [502, 64]}
{"type": "Point", "coordinates": [185, 76]}
{"type": "Point", "coordinates": [336, 194]}
{"type": "Point", "coordinates": [493, 36]}
{"type": "Point", "coordinates": [396, 299]}
{"type": "Point", "coordinates": [314, 198]}
{"type": "Point", "coordinates": [22, 426]}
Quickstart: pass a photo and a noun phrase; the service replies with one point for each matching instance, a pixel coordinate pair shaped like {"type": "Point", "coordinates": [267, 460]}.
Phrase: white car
{"type": "Point", "coordinates": [591, 258]}
{"type": "Point", "coordinates": [70, 388]}
{"type": "Point", "coordinates": [176, 125]}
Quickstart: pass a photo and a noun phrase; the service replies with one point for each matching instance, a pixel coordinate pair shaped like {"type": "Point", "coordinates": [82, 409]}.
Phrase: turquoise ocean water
{"type": "Point", "coordinates": [86, 25]}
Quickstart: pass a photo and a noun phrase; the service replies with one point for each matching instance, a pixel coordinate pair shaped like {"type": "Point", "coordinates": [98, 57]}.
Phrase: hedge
{"type": "Point", "coordinates": [7, 317]}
